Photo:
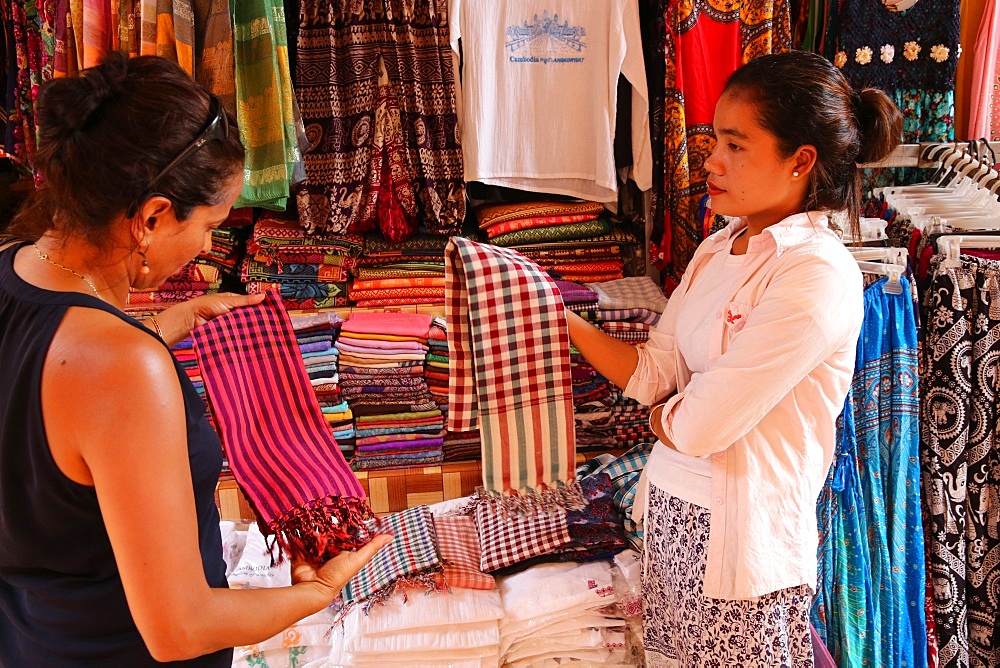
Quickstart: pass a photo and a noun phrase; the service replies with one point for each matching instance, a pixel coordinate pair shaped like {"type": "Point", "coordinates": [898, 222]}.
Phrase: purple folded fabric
{"type": "Point", "coordinates": [315, 346]}
{"type": "Point", "coordinates": [574, 293]}
{"type": "Point", "coordinates": [403, 446]}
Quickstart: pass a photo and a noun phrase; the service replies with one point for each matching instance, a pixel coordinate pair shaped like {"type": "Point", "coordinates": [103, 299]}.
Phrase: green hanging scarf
{"type": "Point", "coordinates": [264, 102]}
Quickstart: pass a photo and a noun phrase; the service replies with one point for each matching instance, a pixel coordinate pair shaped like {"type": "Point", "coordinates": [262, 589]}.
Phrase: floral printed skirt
{"type": "Point", "coordinates": [682, 628]}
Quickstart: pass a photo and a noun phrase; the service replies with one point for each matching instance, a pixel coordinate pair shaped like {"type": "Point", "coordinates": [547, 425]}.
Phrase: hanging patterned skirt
{"type": "Point", "coordinates": [682, 627]}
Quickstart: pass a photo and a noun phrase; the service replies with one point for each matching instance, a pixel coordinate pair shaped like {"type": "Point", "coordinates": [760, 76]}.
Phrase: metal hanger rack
{"type": "Point", "coordinates": [923, 154]}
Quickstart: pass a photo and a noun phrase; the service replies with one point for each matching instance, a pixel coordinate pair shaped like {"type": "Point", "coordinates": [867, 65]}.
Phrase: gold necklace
{"type": "Point", "coordinates": [44, 257]}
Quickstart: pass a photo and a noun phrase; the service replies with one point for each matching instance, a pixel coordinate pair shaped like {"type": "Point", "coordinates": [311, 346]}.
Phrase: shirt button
{"type": "Point", "coordinates": [717, 455]}
{"type": "Point", "coordinates": [718, 500]}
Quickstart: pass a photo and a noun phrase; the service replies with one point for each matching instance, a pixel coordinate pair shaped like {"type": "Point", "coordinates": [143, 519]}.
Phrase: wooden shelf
{"type": "Point", "coordinates": [388, 490]}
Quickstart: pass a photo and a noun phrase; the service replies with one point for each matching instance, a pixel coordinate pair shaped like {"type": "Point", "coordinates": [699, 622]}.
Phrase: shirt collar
{"type": "Point", "coordinates": [788, 233]}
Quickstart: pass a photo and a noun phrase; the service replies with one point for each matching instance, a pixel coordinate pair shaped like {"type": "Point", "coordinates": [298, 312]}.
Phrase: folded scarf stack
{"type": "Point", "coordinates": [310, 271]}
{"type": "Point", "coordinates": [381, 363]}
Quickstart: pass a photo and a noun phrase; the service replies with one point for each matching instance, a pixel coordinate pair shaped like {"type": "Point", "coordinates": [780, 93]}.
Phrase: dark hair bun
{"type": "Point", "coordinates": [880, 123]}
{"type": "Point", "coordinates": [73, 103]}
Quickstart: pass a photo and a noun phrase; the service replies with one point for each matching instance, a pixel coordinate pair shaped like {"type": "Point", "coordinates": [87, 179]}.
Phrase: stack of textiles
{"type": "Point", "coordinates": [615, 421]}
{"type": "Point", "coordinates": [627, 309]}
{"type": "Point", "coordinates": [463, 446]}
{"type": "Point", "coordinates": [436, 370]}
{"type": "Point", "coordinates": [399, 274]}
{"type": "Point", "coordinates": [590, 391]}
{"type": "Point", "coordinates": [194, 279]}
{"type": "Point", "coordinates": [637, 292]}
{"type": "Point", "coordinates": [381, 361]}
{"type": "Point", "coordinates": [452, 621]}
{"type": "Point", "coordinates": [309, 270]}
{"type": "Point", "coordinates": [315, 333]}
{"type": "Point", "coordinates": [561, 613]}
{"type": "Point", "coordinates": [576, 240]}
{"type": "Point", "coordinates": [588, 385]}
{"type": "Point", "coordinates": [184, 354]}
{"type": "Point", "coordinates": [576, 296]}
{"type": "Point", "coordinates": [459, 629]}
{"type": "Point", "coordinates": [228, 246]}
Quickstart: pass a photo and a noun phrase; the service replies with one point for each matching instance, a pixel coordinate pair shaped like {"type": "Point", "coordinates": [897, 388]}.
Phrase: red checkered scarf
{"type": "Point", "coordinates": [510, 369]}
{"type": "Point", "coordinates": [279, 446]}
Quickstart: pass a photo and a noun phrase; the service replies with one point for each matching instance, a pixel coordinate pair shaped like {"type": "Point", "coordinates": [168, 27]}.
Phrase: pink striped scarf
{"type": "Point", "coordinates": [510, 371]}
{"type": "Point", "coordinates": [279, 445]}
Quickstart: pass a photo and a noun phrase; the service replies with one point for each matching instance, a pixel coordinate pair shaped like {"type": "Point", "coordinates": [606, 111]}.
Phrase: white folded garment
{"type": "Point", "coordinates": [484, 657]}
{"type": "Point", "coordinates": [546, 589]}
{"type": "Point", "coordinates": [567, 644]}
{"type": "Point", "coordinates": [551, 624]}
{"type": "Point", "coordinates": [598, 658]}
{"type": "Point", "coordinates": [431, 639]}
{"type": "Point", "coordinates": [462, 606]}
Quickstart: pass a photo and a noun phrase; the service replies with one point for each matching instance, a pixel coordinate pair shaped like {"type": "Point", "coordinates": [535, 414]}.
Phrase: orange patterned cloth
{"type": "Point", "coordinates": [459, 547]}
{"type": "Point", "coordinates": [494, 214]}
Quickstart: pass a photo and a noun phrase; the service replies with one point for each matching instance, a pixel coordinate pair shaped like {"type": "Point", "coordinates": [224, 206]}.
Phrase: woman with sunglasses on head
{"type": "Point", "coordinates": [110, 551]}
{"type": "Point", "coordinates": [748, 368]}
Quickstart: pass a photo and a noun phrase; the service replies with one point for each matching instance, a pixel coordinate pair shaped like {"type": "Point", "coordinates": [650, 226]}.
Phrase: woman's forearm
{"type": "Point", "coordinates": [612, 358]}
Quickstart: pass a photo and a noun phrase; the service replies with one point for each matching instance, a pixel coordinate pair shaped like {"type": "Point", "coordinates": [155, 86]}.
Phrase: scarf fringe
{"type": "Point", "coordinates": [565, 496]}
{"type": "Point", "coordinates": [427, 581]}
{"type": "Point", "coordinates": [321, 529]}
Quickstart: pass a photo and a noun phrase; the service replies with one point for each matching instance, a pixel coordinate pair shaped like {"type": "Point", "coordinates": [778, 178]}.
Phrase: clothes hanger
{"type": "Point", "coordinates": [890, 254]}
{"type": "Point", "coordinates": [984, 146]}
{"type": "Point", "coordinates": [951, 245]}
{"type": "Point", "coordinates": [929, 155]}
{"type": "Point", "coordinates": [893, 286]}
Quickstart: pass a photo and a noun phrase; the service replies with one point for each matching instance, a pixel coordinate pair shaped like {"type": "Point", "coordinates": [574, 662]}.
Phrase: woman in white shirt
{"type": "Point", "coordinates": [748, 369]}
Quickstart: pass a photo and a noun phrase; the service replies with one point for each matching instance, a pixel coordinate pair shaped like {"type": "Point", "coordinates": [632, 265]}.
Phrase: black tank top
{"type": "Point", "coordinates": [61, 597]}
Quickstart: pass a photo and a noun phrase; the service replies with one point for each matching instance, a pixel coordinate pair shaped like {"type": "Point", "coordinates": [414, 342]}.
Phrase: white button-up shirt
{"type": "Point", "coordinates": [766, 410]}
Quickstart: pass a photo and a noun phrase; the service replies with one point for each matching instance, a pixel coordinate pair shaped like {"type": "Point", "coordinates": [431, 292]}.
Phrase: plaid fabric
{"type": "Point", "coordinates": [509, 351]}
{"type": "Point", "coordinates": [619, 326]}
{"type": "Point", "coordinates": [630, 315]}
{"type": "Point", "coordinates": [277, 441]}
{"type": "Point", "coordinates": [412, 553]}
{"type": "Point", "coordinates": [632, 292]}
{"type": "Point", "coordinates": [630, 336]}
{"type": "Point", "coordinates": [459, 546]}
{"type": "Point", "coordinates": [507, 538]}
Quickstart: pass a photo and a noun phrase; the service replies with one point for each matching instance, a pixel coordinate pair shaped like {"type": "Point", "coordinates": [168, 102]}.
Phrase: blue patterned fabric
{"type": "Point", "coordinates": [869, 605]}
{"type": "Point", "coordinates": [625, 472]}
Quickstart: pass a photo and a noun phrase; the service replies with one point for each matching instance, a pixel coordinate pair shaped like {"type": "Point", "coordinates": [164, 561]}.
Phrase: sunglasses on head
{"type": "Point", "coordinates": [216, 128]}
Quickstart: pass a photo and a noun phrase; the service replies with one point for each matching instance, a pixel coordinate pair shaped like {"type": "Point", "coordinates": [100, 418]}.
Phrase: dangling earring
{"type": "Point", "coordinates": [144, 269]}
{"type": "Point", "coordinates": [795, 174]}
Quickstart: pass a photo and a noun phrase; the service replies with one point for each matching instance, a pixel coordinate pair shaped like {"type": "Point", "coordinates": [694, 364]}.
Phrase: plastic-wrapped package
{"type": "Point", "coordinates": [254, 570]}
{"type": "Point", "coordinates": [234, 540]}
{"type": "Point", "coordinates": [626, 578]}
